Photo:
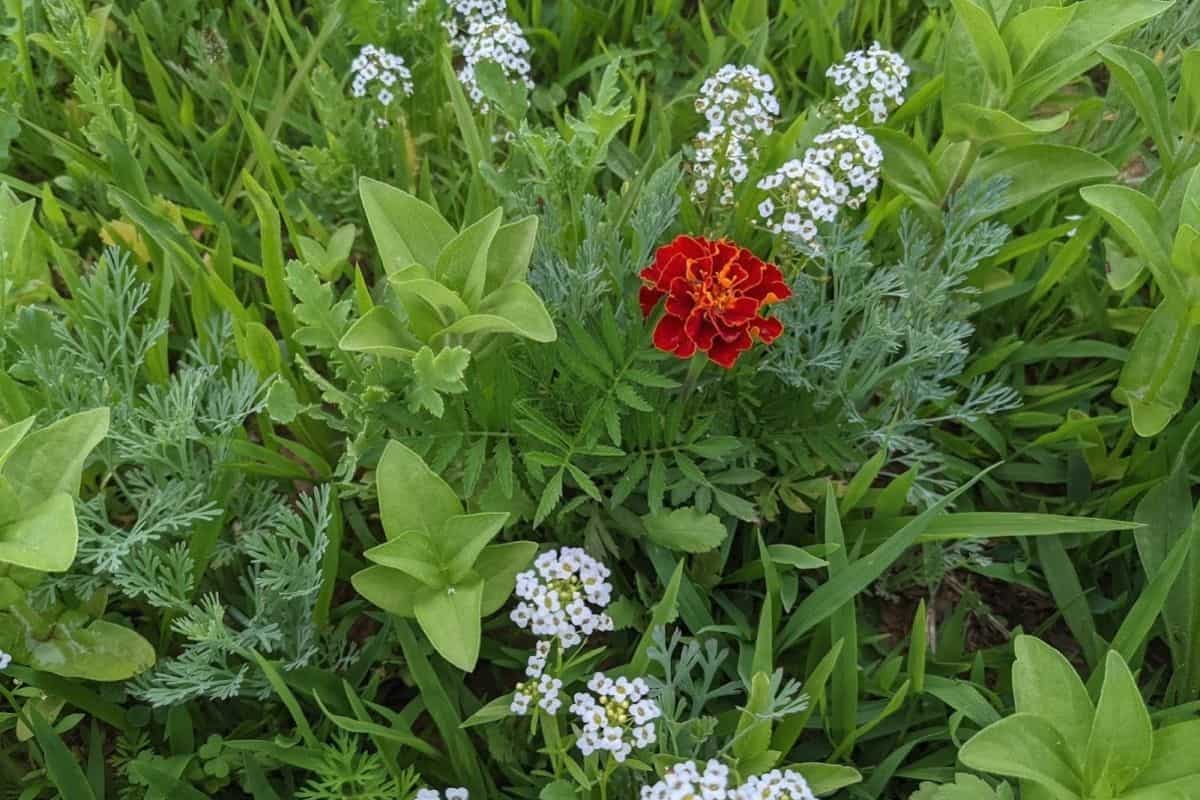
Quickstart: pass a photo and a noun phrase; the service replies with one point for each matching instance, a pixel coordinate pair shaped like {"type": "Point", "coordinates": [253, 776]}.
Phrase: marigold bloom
{"type": "Point", "coordinates": [715, 294]}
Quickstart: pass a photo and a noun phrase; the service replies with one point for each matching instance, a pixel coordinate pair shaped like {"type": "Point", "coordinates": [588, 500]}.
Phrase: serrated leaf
{"type": "Point", "coordinates": [629, 396]}
{"type": "Point", "coordinates": [684, 529]}
{"type": "Point", "coordinates": [551, 494]}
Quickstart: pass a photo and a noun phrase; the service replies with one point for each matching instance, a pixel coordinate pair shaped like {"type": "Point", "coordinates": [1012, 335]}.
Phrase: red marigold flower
{"type": "Point", "coordinates": [715, 294]}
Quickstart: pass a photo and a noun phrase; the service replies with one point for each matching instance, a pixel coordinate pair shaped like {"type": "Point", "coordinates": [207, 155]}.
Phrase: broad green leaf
{"type": "Point", "coordinates": [498, 565]}
{"type": "Point", "coordinates": [989, 48]}
{"type": "Point", "coordinates": [1038, 170]}
{"type": "Point", "coordinates": [43, 537]}
{"type": "Point", "coordinates": [411, 495]}
{"type": "Point", "coordinates": [907, 167]}
{"type": "Point", "coordinates": [685, 529]}
{"type": "Point", "coordinates": [390, 589]}
{"type": "Point", "coordinates": [96, 651]}
{"type": "Point", "coordinates": [1155, 380]}
{"type": "Point", "coordinates": [380, 332]}
{"type": "Point", "coordinates": [1024, 746]}
{"type": "Point", "coordinates": [1143, 84]}
{"type": "Point", "coordinates": [430, 304]}
{"type": "Point", "coordinates": [407, 230]}
{"type": "Point", "coordinates": [1137, 221]}
{"type": "Point", "coordinates": [1122, 738]}
{"type": "Point", "coordinates": [412, 553]}
{"type": "Point", "coordinates": [1045, 684]}
{"type": "Point", "coordinates": [1175, 749]}
{"type": "Point", "coordinates": [450, 617]}
{"type": "Point", "coordinates": [462, 264]}
{"type": "Point", "coordinates": [463, 538]}
{"type": "Point", "coordinates": [11, 436]}
{"type": "Point", "coordinates": [513, 308]}
{"type": "Point", "coordinates": [508, 257]}
{"type": "Point", "coordinates": [992, 126]}
{"type": "Point", "coordinates": [1073, 51]}
{"type": "Point", "coordinates": [1028, 32]}
{"type": "Point", "coordinates": [50, 460]}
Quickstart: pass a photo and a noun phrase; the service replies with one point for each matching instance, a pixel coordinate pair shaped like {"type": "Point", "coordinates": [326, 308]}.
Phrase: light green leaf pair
{"type": "Point", "coordinates": [1072, 749]}
{"type": "Point", "coordinates": [439, 564]}
{"type": "Point", "coordinates": [39, 478]}
{"type": "Point", "coordinates": [451, 288]}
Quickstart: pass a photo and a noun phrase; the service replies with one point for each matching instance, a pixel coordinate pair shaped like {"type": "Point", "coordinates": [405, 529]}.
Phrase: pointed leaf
{"type": "Point", "coordinates": [1122, 738]}
{"type": "Point", "coordinates": [1024, 746]}
{"type": "Point", "coordinates": [388, 588]}
{"type": "Point", "coordinates": [411, 495]}
{"type": "Point", "coordinates": [50, 460]}
{"type": "Point", "coordinates": [498, 565]}
{"type": "Point", "coordinates": [407, 230]}
{"type": "Point", "coordinates": [508, 257]}
{"type": "Point", "coordinates": [450, 617]}
{"type": "Point", "coordinates": [413, 554]}
{"type": "Point", "coordinates": [379, 332]}
{"type": "Point", "coordinates": [43, 538]}
{"type": "Point", "coordinates": [1045, 684]}
{"type": "Point", "coordinates": [463, 538]}
{"type": "Point", "coordinates": [462, 264]}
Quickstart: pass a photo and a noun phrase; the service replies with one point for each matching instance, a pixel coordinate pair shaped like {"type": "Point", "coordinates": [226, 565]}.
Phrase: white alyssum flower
{"type": "Point", "coordinates": [799, 194]}
{"type": "Point", "coordinates": [451, 794]}
{"type": "Point", "coordinates": [380, 74]}
{"type": "Point", "coordinates": [686, 781]}
{"type": "Point", "coordinates": [740, 106]}
{"type": "Point", "coordinates": [616, 716]}
{"type": "Point", "coordinates": [871, 82]}
{"type": "Point", "coordinates": [5, 659]}
{"type": "Point", "coordinates": [775, 785]}
{"type": "Point", "coordinates": [482, 31]}
{"type": "Point", "coordinates": [564, 596]}
{"type": "Point", "coordinates": [852, 158]}
{"type": "Point", "coordinates": [541, 690]}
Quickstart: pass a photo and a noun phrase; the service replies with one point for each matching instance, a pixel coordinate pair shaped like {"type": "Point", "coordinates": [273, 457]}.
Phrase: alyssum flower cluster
{"type": "Point", "coordinates": [840, 169]}
{"type": "Point", "coordinates": [686, 781]}
{"type": "Point", "coordinates": [381, 74]}
{"type": "Point", "coordinates": [483, 32]}
{"type": "Point", "coordinates": [562, 599]}
{"type": "Point", "coordinates": [564, 596]}
{"type": "Point", "coordinates": [871, 81]}
{"type": "Point", "coordinates": [616, 716]}
{"type": "Point", "coordinates": [842, 166]}
{"type": "Point", "coordinates": [739, 105]}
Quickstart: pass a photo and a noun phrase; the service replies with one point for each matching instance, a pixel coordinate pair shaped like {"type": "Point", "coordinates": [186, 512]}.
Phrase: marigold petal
{"type": "Point", "coordinates": [726, 353]}
{"type": "Point", "coordinates": [648, 298]}
{"type": "Point", "coordinates": [668, 333]}
{"type": "Point", "coordinates": [767, 329]}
